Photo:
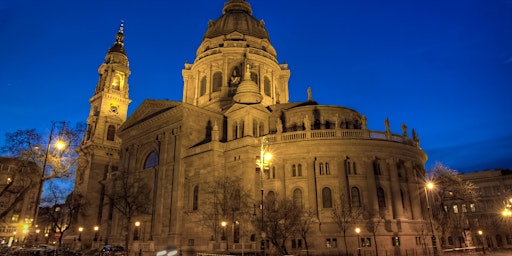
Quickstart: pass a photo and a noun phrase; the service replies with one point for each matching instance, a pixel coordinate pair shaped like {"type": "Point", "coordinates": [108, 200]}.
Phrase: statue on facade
{"type": "Point", "coordinates": [364, 120]}
{"type": "Point", "coordinates": [307, 123]}
{"type": "Point", "coordinates": [310, 94]}
{"type": "Point", "coordinates": [279, 125]}
{"type": "Point", "coordinates": [404, 130]}
{"type": "Point", "coordinates": [386, 124]}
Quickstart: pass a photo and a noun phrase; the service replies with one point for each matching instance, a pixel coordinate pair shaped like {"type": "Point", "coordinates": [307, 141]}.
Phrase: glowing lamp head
{"type": "Point", "coordinates": [358, 230]}
{"type": "Point", "coordinates": [60, 145]}
{"type": "Point", "coordinates": [80, 229]}
{"type": "Point", "coordinates": [430, 185]}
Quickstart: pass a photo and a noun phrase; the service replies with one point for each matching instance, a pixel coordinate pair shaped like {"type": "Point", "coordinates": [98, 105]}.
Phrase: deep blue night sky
{"type": "Point", "coordinates": [443, 67]}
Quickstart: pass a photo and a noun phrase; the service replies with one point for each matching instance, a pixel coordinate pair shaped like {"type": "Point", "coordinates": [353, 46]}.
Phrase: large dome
{"type": "Point", "coordinates": [236, 16]}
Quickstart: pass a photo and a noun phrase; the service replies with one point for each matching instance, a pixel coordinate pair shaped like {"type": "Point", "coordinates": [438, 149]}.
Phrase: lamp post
{"type": "Point", "coordinates": [430, 186]}
{"type": "Point", "coordinates": [96, 228]}
{"type": "Point", "coordinates": [136, 231]}
{"type": "Point", "coordinates": [358, 230]}
{"type": "Point", "coordinates": [59, 145]}
{"type": "Point", "coordinates": [480, 233]}
{"type": "Point", "coordinates": [263, 162]}
{"type": "Point", "coordinates": [80, 230]}
{"type": "Point", "coordinates": [224, 224]}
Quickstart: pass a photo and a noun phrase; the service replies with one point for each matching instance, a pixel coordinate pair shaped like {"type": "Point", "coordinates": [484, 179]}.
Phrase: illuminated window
{"type": "Point", "coordinates": [455, 208]}
{"type": "Point", "coordinates": [464, 208]}
{"type": "Point", "coordinates": [472, 207]}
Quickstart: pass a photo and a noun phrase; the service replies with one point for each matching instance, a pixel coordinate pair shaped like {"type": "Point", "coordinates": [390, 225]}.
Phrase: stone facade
{"type": "Point", "coordinates": [235, 97]}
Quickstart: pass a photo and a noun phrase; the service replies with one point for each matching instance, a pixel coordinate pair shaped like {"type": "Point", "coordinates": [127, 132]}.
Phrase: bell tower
{"type": "Point", "coordinates": [99, 153]}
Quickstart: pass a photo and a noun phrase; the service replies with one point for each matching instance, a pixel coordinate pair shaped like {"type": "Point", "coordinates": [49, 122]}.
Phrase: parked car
{"type": "Point", "coordinates": [116, 250]}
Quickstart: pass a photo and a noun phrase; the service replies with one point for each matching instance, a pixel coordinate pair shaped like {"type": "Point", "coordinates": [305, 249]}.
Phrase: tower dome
{"type": "Point", "coordinates": [236, 16]}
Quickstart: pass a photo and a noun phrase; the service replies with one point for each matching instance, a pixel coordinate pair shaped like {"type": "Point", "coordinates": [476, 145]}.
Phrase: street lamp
{"type": "Point", "coordinates": [80, 229]}
{"type": "Point", "coordinates": [263, 163]}
{"type": "Point", "coordinates": [358, 230]}
{"type": "Point", "coordinates": [59, 145]}
{"type": "Point", "coordinates": [136, 232]}
{"type": "Point", "coordinates": [480, 233]}
{"type": "Point", "coordinates": [430, 186]}
{"type": "Point", "coordinates": [96, 228]}
{"type": "Point", "coordinates": [224, 224]}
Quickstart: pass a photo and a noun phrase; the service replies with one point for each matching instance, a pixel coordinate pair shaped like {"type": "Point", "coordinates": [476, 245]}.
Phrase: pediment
{"type": "Point", "coordinates": [149, 109]}
{"type": "Point", "coordinates": [235, 36]}
{"type": "Point", "coordinates": [242, 109]}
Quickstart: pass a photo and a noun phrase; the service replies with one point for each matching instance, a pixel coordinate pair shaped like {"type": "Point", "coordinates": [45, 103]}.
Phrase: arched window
{"type": "Point", "coordinates": [294, 170]}
{"type": "Point", "coordinates": [327, 171]}
{"type": "Point", "coordinates": [376, 167]}
{"type": "Point", "coordinates": [255, 128]}
{"type": "Point", "coordinates": [326, 198]}
{"type": "Point", "coordinates": [321, 167]}
{"type": "Point", "coordinates": [381, 198]}
{"type": "Point", "coordinates": [354, 168]}
{"type": "Point", "coordinates": [297, 197]}
{"type": "Point", "coordinates": [266, 86]}
{"type": "Point", "coordinates": [217, 81]}
{"type": "Point", "coordinates": [254, 78]}
{"type": "Point", "coordinates": [196, 198]}
{"type": "Point", "coordinates": [355, 198]}
{"type": "Point", "coordinates": [299, 170]}
{"type": "Point", "coordinates": [111, 133]}
{"type": "Point", "coordinates": [151, 160]}
{"type": "Point", "coordinates": [202, 90]}
{"type": "Point", "coordinates": [242, 129]}
{"type": "Point", "coordinates": [235, 130]}
{"type": "Point", "coordinates": [347, 167]}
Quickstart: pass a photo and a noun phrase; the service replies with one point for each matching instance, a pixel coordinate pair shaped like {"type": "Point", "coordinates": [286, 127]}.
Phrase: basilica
{"type": "Point", "coordinates": [236, 107]}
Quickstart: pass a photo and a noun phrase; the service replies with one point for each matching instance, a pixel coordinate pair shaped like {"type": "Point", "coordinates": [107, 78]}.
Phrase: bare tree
{"type": "Point", "coordinates": [345, 216]}
{"type": "Point", "coordinates": [448, 195]}
{"type": "Point", "coordinates": [224, 200]}
{"type": "Point", "coordinates": [128, 193]}
{"type": "Point", "coordinates": [306, 221]}
{"type": "Point", "coordinates": [372, 221]}
{"type": "Point", "coordinates": [62, 209]}
{"type": "Point", "coordinates": [39, 160]}
{"type": "Point", "coordinates": [281, 218]}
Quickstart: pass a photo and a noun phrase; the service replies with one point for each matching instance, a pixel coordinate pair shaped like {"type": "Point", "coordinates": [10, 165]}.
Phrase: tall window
{"type": "Point", "coordinates": [297, 197]}
{"type": "Point", "coordinates": [327, 170]}
{"type": "Point", "coordinates": [111, 132]}
{"type": "Point", "coordinates": [151, 160]}
{"type": "Point", "coordinates": [235, 130]}
{"type": "Point", "coordinates": [347, 166]}
{"type": "Point", "coordinates": [326, 198]}
{"type": "Point", "coordinates": [376, 167]}
{"type": "Point", "coordinates": [381, 198]}
{"type": "Point", "coordinates": [202, 90]}
{"type": "Point", "coordinates": [196, 198]}
{"type": "Point", "coordinates": [355, 198]}
{"type": "Point", "coordinates": [294, 170]}
{"type": "Point", "coordinates": [299, 170]}
{"type": "Point", "coordinates": [266, 86]}
{"type": "Point", "coordinates": [255, 132]}
{"type": "Point", "coordinates": [321, 166]}
{"type": "Point", "coordinates": [217, 81]}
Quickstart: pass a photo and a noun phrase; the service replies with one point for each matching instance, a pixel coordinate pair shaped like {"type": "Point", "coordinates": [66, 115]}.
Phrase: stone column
{"type": "Point", "coordinates": [398, 211]}
{"type": "Point", "coordinates": [414, 189]}
{"type": "Point", "coordinates": [372, 187]}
